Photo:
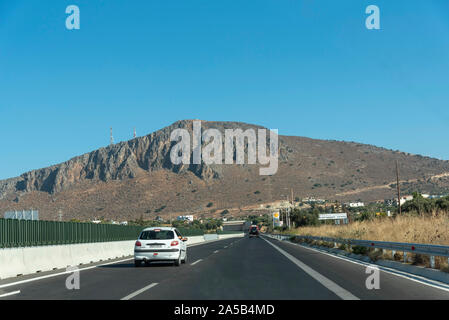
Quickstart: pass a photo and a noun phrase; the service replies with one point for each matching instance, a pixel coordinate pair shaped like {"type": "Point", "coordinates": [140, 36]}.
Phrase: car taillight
{"type": "Point", "coordinates": [174, 243]}
{"type": "Point", "coordinates": [138, 244]}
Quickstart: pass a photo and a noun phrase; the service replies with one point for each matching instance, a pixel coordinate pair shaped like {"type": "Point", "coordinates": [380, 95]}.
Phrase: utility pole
{"type": "Point", "coordinates": [399, 189]}
{"type": "Point", "coordinates": [289, 207]}
{"type": "Point", "coordinates": [271, 212]}
{"type": "Point", "coordinates": [290, 211]}
{"type": "Point", "coordinates": [60, 214]}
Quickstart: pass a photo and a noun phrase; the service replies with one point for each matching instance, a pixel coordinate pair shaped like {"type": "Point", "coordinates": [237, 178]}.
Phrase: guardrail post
{"type": "Point", "coordinates": [335, 244]}
{"type": "Point", "coordinates": [405, 256]}
{"type": "Point", "coordinates": [432, 262]}
{"type": "Point", "coordinates": [393, 252]}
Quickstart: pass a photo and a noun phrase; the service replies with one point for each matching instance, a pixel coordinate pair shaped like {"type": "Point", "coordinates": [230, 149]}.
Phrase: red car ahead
{"type": "Point", "coordinates": [253, 231]}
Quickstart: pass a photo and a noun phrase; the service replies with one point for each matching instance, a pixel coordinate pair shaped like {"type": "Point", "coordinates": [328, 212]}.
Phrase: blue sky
{"type": "Point", "coordinates": [306, 67]}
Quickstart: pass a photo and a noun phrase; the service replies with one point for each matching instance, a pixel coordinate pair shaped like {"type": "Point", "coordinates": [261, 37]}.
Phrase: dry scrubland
{"type": "Point", "coordinates": [428, 229]}
{"type": "Point", "coordinates": [433, 229]}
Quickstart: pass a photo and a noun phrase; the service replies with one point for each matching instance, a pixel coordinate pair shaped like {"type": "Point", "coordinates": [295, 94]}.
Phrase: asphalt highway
{"type": "Point", "coordinates": [231, 269]}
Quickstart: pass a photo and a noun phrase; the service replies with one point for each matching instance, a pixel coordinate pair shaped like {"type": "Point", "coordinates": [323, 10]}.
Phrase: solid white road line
{"type": "Point", "coordinates": [59, 273]}
{"type": "Point", "coordinates": [132, 295]}
{"type": "Point", "coordinates": [194, 263]}
{"type": "Point", "coordinates": [402, 274]}
{"type": "Point", "coordinates": [9, 294]}
{"type": "Point", "coordinates": [329, 284]}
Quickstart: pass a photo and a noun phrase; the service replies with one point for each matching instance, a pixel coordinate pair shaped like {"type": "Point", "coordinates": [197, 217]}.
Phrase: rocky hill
{"type": "Point", "coordinates": [136, 178]}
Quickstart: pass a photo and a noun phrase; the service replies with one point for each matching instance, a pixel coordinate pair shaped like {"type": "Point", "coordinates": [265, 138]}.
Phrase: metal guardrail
{"type": "Point", "coordinates": [431, 250]}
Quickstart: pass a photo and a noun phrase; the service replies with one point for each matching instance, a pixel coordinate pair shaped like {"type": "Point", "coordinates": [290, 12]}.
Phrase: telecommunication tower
{"type": "Point", "coordinates": [112, 138]}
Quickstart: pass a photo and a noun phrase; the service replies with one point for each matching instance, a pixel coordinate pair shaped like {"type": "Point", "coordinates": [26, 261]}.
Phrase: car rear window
{"type": "Point", "coordinates": [157, 235]}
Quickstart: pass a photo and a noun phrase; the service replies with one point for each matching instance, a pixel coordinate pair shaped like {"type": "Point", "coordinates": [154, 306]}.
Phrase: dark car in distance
{"type": "Point", "coordinates": [253, 231]}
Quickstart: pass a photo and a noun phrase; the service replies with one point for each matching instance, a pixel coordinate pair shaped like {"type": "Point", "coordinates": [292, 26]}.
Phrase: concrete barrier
{"type": "Point", "coordinates": [209, 237]}
{"type": "Point", "coordinates": [22, 261]}
{"type": "Point", "coordinates": [11, 263]}
{"type": "Point", "coordinates": [212, 237]}
{"type": "Point", "coordinates": [194, 240]}
{"type": "Point", "coordinates": [231, 235]}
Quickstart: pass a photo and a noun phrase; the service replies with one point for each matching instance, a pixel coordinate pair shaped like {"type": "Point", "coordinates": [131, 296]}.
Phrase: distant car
{"type": "Point", "coordinates": [253, 231]}
{"type": "Point", "coordinates": [160, 244]}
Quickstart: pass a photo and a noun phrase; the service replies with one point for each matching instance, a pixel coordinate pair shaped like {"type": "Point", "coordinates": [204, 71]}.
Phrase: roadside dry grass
{"type": "Point", "coordinates": [431, 229]}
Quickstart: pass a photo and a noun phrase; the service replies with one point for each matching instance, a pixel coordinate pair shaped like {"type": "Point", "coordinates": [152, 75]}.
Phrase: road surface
{"type": "Point", "coordinates": [231, 269]}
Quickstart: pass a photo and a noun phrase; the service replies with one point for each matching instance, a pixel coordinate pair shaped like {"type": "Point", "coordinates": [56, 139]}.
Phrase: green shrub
{"type": "Point", "coordinates": [327, 244]}
{"type": "Point", "coordinates": [359, 250]}
{"type": "Point", "coordinates": [375, 255]}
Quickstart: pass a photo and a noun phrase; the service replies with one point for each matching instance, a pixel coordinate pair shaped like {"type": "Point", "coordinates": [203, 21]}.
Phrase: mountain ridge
{"type": "Point", "coordinates": [323, 168]}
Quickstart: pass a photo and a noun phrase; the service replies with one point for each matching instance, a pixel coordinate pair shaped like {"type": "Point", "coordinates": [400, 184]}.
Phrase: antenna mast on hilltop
{"type": "Point", "coordinates": [135, 132]}
{"type": "Point", "coordinates": [112, 138]}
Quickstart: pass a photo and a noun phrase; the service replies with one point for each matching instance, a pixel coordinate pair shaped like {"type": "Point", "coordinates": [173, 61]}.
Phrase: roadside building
{"type": "Point", "coordinates": [185, 218]}
{"type": "Point", "coordinates": [355, 204]}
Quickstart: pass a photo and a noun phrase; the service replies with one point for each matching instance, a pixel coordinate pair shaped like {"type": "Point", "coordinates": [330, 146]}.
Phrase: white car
{"type": "Point", "coordinates": [160, 244]}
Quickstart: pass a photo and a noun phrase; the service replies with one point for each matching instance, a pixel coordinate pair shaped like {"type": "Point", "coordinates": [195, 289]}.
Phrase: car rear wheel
{"type": "Point", "coordinates": [137, 263]}
{"type": "Point", "coordinates": [178, 261]}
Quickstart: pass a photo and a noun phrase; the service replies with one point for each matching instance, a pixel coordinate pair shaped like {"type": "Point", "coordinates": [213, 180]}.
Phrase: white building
{"type": "Point", "coordinates": [356, 204]}
{"type": "Point", "coordinates": [436, 196]}
{"type": "Point", "coordinates": [405, 199]}
{"type": "Point", "coordinates": [185, 218]}
{"type": "Point", "coordinates": [313, 200]}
